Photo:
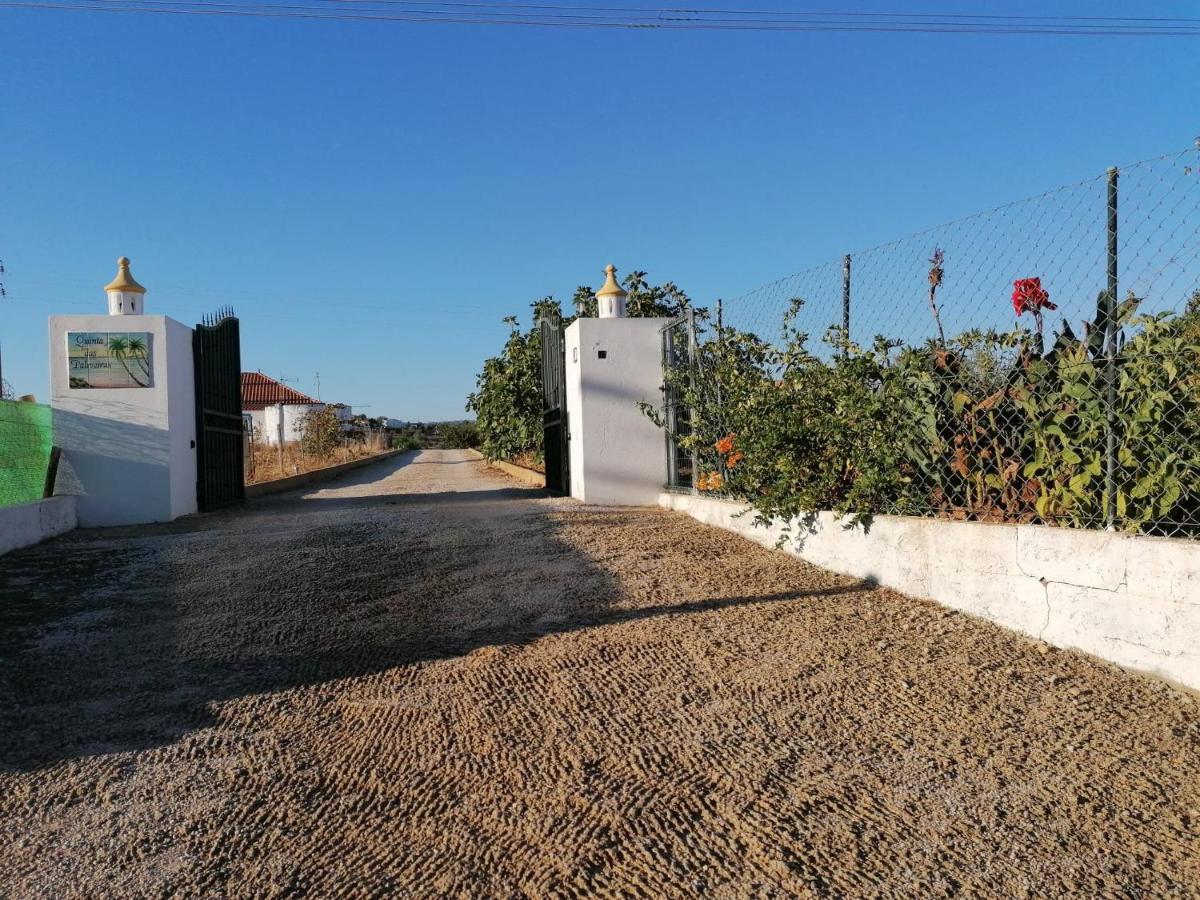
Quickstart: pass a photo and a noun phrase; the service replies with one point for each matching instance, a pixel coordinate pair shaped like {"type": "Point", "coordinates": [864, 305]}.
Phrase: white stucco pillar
{"type": "Point", "coordinates": [123, 394]}
{"type": "Point", "coordinates": [617, 454]}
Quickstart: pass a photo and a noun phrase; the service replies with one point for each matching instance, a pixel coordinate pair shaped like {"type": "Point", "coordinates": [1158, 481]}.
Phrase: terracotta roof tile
{"type": "Point", "coordinates": [260, 391]}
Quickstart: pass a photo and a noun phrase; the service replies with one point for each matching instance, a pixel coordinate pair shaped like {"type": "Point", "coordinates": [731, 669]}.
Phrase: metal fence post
{"type": "Point", "coordinates": [720, 358]}
{"type": "Point", "coordinates": [693, 362]}
{"type": "Point", "coordinates": [1110, 359]}
{"type": "Point", "coordinates": [846, 296]}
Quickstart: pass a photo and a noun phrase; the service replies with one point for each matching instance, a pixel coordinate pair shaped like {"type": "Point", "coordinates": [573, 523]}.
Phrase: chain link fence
{"type": "Point", "coordinates": [1038, 362]}
{"type": "Point", "coordinates": [26, 443]}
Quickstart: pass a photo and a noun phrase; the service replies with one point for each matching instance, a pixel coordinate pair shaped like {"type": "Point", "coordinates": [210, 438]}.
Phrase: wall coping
{"type": "Point", "coordinates": [531, 477]}
{"type": "Point", "coordinates": [521, 473]}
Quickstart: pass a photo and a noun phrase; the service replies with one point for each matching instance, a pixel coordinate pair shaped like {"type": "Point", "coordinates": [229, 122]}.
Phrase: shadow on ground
{"type": "Point", "coordinates": [122, 639]}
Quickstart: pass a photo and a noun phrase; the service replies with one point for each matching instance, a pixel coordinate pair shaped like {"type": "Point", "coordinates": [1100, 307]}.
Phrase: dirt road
{"type": "Point", "coordinates": [429, 681]}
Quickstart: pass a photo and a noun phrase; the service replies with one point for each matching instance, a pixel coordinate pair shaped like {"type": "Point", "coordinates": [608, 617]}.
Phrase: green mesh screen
{"type": "Point", "coordinates": [25, 440]}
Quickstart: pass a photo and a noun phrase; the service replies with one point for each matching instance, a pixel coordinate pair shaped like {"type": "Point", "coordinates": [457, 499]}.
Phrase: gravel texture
{"type": "Point", "coordinates": [426, 680]}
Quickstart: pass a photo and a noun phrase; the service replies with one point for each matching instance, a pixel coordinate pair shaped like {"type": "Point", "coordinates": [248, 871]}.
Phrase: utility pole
{"type": "Point", "coordinates": [318, 387]}
{"type": "Point", "coordinates": [3, 294]}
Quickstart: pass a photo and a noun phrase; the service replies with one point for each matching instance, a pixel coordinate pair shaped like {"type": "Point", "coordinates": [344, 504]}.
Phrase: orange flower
{"type": "Point", "coordinates": [733, 459]}
{"type": "Point", "coordinates": [724, 445]}
{"type": "Point", "coordinates": [702, 481]}
{"type": "Point", "coordinates": [715, 481]}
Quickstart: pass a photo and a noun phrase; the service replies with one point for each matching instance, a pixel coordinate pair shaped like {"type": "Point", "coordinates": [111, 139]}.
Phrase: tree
{"type": "Point", "coordinates": [320, 431]}
{"type": "Point", "coordinates": [507, 401]}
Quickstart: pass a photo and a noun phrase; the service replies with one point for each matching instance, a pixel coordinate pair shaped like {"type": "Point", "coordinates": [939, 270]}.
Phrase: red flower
{"type": "Point", "coordinates": [1029, 296]}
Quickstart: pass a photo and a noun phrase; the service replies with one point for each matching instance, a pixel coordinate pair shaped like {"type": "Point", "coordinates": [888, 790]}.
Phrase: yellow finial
{"type": "Point", "coordinates": [124, 280]}
{"type": "Point", "coordinates": [611, 288]}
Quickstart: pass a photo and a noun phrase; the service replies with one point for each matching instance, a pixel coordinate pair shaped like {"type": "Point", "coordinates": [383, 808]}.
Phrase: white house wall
{"type": "Point", "coordinates": [257, 422]}
{"type": "Point", "coordinates": [293, 422]}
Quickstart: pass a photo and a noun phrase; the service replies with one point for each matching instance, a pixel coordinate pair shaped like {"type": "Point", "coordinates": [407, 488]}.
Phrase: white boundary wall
{"type": "Point", "coordinates": [31, 523]}
{"type": "Point", "coordinates": [1132, 600]}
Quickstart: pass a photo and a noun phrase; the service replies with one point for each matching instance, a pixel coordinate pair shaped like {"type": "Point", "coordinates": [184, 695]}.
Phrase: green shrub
{"type": "Point", "coordinates": [407, 441]}
{"type": "Point", "coordinates": [788, 431]}
{"type": "Point", "coordinates": [459, 435]}
{"type": "Point", "coordinates": [320, 431]}
{"type": "Point", "coordinates": [984, 426]}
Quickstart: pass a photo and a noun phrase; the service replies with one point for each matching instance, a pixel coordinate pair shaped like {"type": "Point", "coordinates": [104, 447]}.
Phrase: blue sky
{"type": "Point", "coordinates": [374, 198]}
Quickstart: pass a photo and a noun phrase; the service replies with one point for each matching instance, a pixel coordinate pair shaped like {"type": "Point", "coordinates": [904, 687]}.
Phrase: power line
{"type": "Point", "coordinates": [503, 9]}
{"type": "Point", "coordinates": [288, 299]}
{"type": "Point", "coordinates": [815, 16]}
{"type": "Point", "coordinates": [405, 326]}
{"type": "Point", "coordinates": [657, 19]}
{"type": "Point", "coordinates": [505, 4]}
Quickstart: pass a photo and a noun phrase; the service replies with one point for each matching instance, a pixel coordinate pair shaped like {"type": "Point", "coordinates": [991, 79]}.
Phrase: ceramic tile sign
{"type": "Point", "coordinates": [109, 359]}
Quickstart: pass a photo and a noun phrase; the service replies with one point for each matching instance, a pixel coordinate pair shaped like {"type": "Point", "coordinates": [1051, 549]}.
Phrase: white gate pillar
{"type": "Point", "coordinates": [123, 393]}
{"type": "Point", "coordinates": [617, 454]}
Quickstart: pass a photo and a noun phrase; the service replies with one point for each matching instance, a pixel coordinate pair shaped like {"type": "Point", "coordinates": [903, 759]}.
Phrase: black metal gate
{"type": "Point", "coordinates": [220, 436]}
{"type": "Point", "coordinates": [554, 405]}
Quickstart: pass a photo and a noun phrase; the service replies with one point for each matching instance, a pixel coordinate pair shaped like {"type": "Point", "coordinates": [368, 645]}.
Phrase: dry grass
{"type": "Point", "coordinates": [268, 464]}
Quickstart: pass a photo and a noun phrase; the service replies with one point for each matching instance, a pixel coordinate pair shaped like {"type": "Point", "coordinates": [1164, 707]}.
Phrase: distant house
{"type": "Point", "coordinates": [267, 402]}
{"type": "Point", "coordinates": [345, 416]}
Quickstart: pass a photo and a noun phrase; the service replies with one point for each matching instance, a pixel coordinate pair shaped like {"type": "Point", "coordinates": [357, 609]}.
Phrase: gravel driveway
{"type": "Point", "coordinates": [427, 680]}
